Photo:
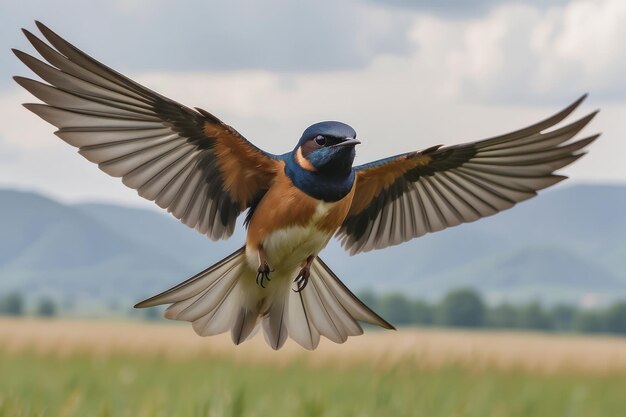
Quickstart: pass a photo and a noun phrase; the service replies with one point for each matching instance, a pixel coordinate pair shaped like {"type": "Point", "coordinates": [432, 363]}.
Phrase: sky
{"type": "Point", "coordinates": [405, 74]}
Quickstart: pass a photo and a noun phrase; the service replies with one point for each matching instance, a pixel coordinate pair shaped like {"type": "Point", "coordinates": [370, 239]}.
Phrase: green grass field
{"type": "Point", "coordinates": [134, 387]}
{"type": "Point", "coordinates": [36, 380]}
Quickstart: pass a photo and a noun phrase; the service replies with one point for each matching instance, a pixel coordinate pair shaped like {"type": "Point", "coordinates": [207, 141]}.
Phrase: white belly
{"type": "Point", "coordinates": [286, 249]}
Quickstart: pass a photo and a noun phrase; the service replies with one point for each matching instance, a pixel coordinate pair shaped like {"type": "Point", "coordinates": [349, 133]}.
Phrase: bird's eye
{"type": "Point", "coordinates": [320, 140]}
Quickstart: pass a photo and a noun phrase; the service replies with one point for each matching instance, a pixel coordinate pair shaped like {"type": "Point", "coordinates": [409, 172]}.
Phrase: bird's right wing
{"type": "Point", "coordinates": [186, 160]}
{"type": "Point", "coordinates": [409, 195]}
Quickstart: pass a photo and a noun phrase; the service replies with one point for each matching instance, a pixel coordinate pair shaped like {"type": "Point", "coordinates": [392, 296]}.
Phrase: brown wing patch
{"type": "Point", "coordinates": [187, 161]}
{"type": "Point", "coordinates": [403, 197]}
{"type": "Point", "coordinates": [244, 169]}
{"type": "Point", "coordinates": [372, 181]}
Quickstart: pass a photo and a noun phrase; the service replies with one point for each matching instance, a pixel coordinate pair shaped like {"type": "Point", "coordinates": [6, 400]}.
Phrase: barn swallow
{"type": "Point", "coordinates": [206, 174]}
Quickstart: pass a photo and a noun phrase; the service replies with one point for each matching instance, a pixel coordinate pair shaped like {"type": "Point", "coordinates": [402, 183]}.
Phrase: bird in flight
{"type": "Point", "coordinates": [206, 174]}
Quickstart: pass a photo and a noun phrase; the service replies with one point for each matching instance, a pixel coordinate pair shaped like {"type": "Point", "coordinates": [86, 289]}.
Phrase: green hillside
{"type": "Point", "coordinates": [561, 246]}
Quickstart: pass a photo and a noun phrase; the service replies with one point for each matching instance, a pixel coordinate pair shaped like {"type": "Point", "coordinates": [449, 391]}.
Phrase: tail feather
{"type": "Point", "coordinates": [327, 307]}
{"type": "Point", "coordinates": [224, 297]}
{"type": "Point", "coordinates": [274, 324]}
{"type": "Point", "coordinates": [355, 307]}
{"type": "Point", "coordinates": [218, 320]}
{"type": "Point", "coordinates": [195, 284]}
{"type": "Point", "coordinates": [327, 321]}
{"type": "Point", "coordinates": [342, 321]}
{"type": "Point", "coordinates": [246, 322]}
{"type": "Point", "coordinates": [207, 300]}
{"type": "Point", "coordinates": [299, 323]}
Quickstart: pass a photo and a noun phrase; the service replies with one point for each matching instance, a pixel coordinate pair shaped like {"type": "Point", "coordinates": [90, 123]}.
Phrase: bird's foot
{"type": "Point", "coordinates": [263, 273]}
{"type": "Point", "coordinates": [302, 279]}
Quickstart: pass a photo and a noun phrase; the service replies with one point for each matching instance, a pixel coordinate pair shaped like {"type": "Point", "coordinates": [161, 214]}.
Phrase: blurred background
{"type": "Point", "coordinates": [521, 313]}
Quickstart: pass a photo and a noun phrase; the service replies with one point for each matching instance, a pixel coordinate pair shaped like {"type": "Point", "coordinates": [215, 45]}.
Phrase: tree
{"type": "Point", "coordinates": [589, 321]}
{"type": "Point", "coordinates": [615, 318]}
{"type": "Point", "coordinates": [533, 316]}
{"type": "Point", "coordinates": [152, 313]}
{"type": "Point", "coordinates": [463, 308]}
{"type": "Point", "coordinates": [396, 308]}
{"type": "Point", "coordinates": [368, 298]}
{"type": "Point", "coordinates": [12, 304]}
{"type": "Point", "coordinates": [422, 313]}
{"type": "Point", "coordinates": [503, 316]}
{"type": "Point", "coordinates": [46, 307]}
{"type": "Point", "coordinates": [563, 317]}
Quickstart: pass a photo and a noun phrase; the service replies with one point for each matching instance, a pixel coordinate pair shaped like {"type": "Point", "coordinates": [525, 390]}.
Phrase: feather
{"type": "Point", "coordinates": [442, 187]}
{"type": "Point", "coordinates": [152, 142]}
{"type": "Point", "coordinates": [274, 323]}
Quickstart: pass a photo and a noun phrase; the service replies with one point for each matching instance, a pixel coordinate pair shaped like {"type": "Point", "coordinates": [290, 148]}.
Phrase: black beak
{"type": "Point", "coordinates": [348, 142]}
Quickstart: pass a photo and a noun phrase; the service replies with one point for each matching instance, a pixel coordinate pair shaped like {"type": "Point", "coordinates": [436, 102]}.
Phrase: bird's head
{"type": "Point", "coordinates": [327, 148]}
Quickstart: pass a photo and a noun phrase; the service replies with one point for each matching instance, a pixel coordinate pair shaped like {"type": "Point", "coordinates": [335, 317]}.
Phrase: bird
{"type": "Point", "coordinates": [206, 174]}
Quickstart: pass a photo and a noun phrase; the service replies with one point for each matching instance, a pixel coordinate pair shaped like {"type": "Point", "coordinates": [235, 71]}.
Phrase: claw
{"type": "Point", "coordinates": [263, 274]}
{"type": "Point", "coordinates": [302, 279]}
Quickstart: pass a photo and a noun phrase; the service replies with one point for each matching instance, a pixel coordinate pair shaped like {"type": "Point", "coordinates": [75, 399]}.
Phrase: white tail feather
{"type": "Point", "coordinates": [274, 324]}
{"type": "Point", "coordinates": [247, 320]}
{"type": "Point", "coordinates": [225, 297]}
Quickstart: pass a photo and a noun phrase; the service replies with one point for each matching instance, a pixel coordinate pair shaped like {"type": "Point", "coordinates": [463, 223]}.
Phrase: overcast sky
{"type": "Point", "coordinates": [405, 74]}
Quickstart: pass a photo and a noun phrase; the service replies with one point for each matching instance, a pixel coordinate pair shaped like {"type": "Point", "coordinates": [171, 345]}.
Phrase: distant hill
{"type": "Point", "coordinates": [561, 245]}
{"type": "Point", "coordinates": [565, 245]}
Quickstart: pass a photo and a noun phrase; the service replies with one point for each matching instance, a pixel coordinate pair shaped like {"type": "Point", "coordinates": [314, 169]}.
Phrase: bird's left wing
{"type": "Point", "coordinates": [409, 195]}
{"type": "Point", "coordinates": [186, 160]}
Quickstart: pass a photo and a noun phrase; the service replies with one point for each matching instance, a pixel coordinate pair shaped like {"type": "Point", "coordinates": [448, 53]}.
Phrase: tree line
{"type": "Point", "coordinates": [13, 304]}
{"type": "Point", "coordinates": [465, 308]}
{"type": "Point", "coordinates": [462, 307]}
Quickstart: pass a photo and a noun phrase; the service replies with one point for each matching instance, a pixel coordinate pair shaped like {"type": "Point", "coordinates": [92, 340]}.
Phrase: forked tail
{"type": "Point", "coordinates": [225, 297]}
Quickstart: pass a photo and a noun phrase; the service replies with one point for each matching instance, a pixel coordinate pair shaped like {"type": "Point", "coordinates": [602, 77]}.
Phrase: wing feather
{"type": "Point", "coordinates": [186, 160]}
{"type": "Point", "coordinates": [441, 187]}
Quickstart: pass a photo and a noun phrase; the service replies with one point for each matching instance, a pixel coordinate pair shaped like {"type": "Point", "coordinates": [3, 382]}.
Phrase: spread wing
{"type": "Point", "coordinates": [186, 160]}
{"type": "Point", "coordinates": [409, 195]}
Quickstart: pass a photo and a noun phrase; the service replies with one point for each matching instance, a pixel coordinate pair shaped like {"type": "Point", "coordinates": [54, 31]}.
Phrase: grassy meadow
{"type": "Point", "coordinates": [83, 368]}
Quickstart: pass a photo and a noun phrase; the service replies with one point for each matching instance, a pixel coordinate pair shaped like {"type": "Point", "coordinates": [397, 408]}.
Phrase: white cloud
{"type": "Point", "coordinates": [591, 41]}
{"type": "Point", "coordinates": [8, 152]}
{"type": "Point", "coordinates": [131, 7]}
{"type": "Point", "coordinates": [384, 106]}
{"type": "Point", "coordinates": [18, 126]}
{"type": "Point", "coordinates": [465, 80]}
{"type": "Point", "coordinates": [276, 35]}
{"type": "Point", "coordinates": [518, 52]}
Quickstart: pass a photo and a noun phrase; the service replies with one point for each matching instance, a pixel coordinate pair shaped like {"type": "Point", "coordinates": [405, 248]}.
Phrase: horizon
{"type": "Point", "coordinates": [142, 203]}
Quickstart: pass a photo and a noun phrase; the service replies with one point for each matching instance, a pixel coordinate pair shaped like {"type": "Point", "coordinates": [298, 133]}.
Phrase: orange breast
{"type": "Point", "coordinates": [284, 205]}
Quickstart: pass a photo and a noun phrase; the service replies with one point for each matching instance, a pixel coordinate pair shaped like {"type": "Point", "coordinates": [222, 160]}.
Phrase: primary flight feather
{"type": "Point", "coordinates": [206, 174]}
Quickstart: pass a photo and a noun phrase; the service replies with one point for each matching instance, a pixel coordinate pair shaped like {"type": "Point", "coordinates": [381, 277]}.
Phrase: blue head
{"type": "Point", "coordinates": [327, 148]}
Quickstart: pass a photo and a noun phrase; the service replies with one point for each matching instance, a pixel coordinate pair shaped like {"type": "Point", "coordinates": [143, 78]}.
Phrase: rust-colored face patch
{"type": "Point", "coordinates": [303, 162]}
{"type": "Point", "coordinates": [308, 147]}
